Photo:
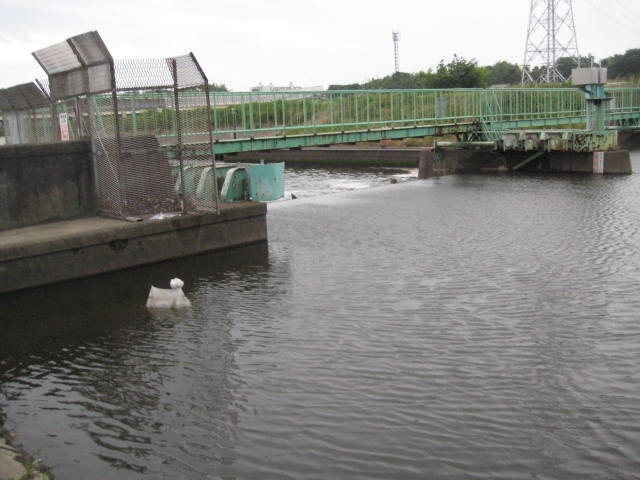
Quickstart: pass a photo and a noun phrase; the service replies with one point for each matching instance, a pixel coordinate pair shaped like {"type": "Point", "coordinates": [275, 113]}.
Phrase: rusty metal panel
{"type": "Point", "coordinates": [593, 142]}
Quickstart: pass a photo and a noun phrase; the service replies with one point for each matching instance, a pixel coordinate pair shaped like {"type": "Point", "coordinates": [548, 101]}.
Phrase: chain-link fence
{"type": "Point", "coordinates": [147, 157]}
{"type": "Point", "coordinates": [28, 115]}
{"type": "Point", "coordinates": [153, 151]}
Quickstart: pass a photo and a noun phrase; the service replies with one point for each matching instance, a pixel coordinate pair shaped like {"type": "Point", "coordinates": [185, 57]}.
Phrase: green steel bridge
{"type": "Point", "coordinates": [260, 121]}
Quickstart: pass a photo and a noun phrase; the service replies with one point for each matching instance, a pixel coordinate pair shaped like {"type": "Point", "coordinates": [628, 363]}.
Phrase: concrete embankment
{"type": "Point", "coordinates": [16, 464]}
{"type": "Point", "coordinates": [59, 251]}
{"type": "Point", "coordinates": [50, 231]}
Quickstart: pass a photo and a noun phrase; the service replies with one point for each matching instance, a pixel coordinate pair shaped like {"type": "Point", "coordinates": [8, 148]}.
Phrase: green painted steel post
{"type": "Point", "coordinates": [331, 120]}
{"type": "Point", "coordinates": [313, 114]}
{"type": "Point", "coordinates": [134, 120]}
{"type": "Point", "coordinates": [304, 110]}
{"type": "Point", "coordinates": [415, 108]}
{"type": "Point", "coordinates": [250, 113]}
{"type": "Point", "coordinates": [275, 111]}
{"type": "Point", "coordinates": [244, 113]}
{"type": "Point", "coordinates": [355, 108]}
{"type": "Point", "coordinates": [368, 112]}
{"type": "Point", "coordinates": [284, 116]}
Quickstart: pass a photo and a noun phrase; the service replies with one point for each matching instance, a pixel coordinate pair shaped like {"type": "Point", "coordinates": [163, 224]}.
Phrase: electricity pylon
{"type": "Point", "coordinates": [551, 35]}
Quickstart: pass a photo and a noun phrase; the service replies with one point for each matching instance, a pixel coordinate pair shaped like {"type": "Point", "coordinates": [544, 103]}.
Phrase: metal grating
{"type": "Point", "coordinates": [22, 97]}
{"type": "Point", "coordinates": [80, 65]}
{"type": "Point", "coordinates": [90, 49]}
{"type": "Point", "coordinates": [189, 72]}
{"type": "Point", "coordinates": [137, 74]}
{"type": "Point", "coordinates": [57, 58]}
{"type": "Point", "coordinates": [27, 114]}
{"type": "Point", "coordinates": [152, 143]}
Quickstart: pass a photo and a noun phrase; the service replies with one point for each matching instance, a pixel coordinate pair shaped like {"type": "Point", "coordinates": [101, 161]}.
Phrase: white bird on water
{"type": "Point", "coordinates": [172, 297]}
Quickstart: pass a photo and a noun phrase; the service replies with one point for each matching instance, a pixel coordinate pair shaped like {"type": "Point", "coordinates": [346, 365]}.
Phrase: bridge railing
{"type": "Point", "coordinates": [246, 115]}
{"type": "Point", "coordinates": [624, 99]}
{"type": "Point", "coordinates": [314, 112]}
{"type": "Point", "coordinates": [262, 114]}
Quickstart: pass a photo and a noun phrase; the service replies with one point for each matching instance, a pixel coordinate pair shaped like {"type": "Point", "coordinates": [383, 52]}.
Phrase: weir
{"type": "Point", "coordinates": [158, 137]}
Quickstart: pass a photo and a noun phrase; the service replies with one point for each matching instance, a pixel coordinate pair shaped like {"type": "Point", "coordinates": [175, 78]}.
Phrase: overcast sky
{"type": "Point", "coordinates": [307, 42]}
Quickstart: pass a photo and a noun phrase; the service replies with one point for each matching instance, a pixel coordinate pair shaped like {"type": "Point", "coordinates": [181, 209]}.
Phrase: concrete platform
{"type": "Point", "coordinates": [58, 251]}
{"type": "Point", "coordinates": [17, 465]}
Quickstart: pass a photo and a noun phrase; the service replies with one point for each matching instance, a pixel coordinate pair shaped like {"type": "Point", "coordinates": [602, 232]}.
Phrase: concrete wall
{"type": "Point", "coordinates": [452, 160]}
{"type": "Point", "coordinates": [476, 161]}
{"type": "Point", "coordinates": [41, 183]}
{"type": "Point", "coordinates": [629, 140]}
{"type": "Point", "coordinates": [615, 162]}
{"type": "Point", "coordinates": [90, 246]}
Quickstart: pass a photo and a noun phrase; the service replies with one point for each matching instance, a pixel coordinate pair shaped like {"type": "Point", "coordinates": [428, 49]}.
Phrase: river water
{"type": "Point", "coordinates": [463, 327]}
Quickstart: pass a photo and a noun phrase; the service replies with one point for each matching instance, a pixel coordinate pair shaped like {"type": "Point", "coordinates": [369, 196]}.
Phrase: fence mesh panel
{"type": "Point", "coordinates": [106, 158]}
{"type": "Point", "coordinates": [151, 142]}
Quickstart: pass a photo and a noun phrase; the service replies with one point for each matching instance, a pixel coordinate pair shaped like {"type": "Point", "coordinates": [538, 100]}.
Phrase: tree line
{"type": "Point", "coordinates": [463, 73]}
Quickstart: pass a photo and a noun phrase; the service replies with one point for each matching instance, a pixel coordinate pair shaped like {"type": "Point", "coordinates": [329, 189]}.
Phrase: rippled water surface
{"type": "Point", "coordinates": [465, 327]}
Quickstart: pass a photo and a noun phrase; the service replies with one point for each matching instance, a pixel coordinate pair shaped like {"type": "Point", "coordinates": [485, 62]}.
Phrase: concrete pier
{"type": "Point", "coordinates": [457, 160]}
{"type": "Point", "coordinates": [629, 140]}
{"type": "Point", "coordinates": [58, 251]}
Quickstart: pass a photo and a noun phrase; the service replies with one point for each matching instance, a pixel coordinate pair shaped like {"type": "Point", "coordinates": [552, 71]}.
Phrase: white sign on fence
{"type": "Point", "coordinates": [64, 127]}
{"type": "Point", "coordinates": [598, 163]}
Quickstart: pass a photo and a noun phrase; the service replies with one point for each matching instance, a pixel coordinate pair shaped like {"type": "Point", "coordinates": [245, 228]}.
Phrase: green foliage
{"type": "Point", "coordinates": [566, 64]}
{"type": "Point", "coordinates": [347, 86]}
{"type": "Point", "coordinates": [460, 73]}
{"type": "Point", "coordinates": [503, 73]}
{"type": "Point", "coordinates": [622, 66]}
{"type": "Point", "coordinates": [218, 87]}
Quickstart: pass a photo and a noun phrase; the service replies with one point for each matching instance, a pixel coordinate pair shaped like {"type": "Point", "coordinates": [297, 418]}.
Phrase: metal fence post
{"type": "Point", "coordinates": [176, 98]}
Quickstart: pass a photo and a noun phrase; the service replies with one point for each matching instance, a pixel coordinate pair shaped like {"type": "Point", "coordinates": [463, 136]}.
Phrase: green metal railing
{"type": "Point", "coordinates": [243, 121]}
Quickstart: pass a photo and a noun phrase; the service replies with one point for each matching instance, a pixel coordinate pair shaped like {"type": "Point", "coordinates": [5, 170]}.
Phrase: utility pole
{"type": "Point", "coordinates": [395, 35]}
{"type": "Point", "coordinates": [551, 35]}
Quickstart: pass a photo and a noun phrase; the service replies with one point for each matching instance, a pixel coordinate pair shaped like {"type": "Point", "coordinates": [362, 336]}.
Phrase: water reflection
{"type": "Point", "coordinates": [465, 327]}
{"type": "Point", "coordinates": [145, 392]}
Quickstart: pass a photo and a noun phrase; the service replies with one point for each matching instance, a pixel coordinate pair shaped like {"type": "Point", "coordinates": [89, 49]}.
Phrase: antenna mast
{"type": "Point", "coordinates": [551, 35]}
{"type": "Point", "coordinates": [395, 35]}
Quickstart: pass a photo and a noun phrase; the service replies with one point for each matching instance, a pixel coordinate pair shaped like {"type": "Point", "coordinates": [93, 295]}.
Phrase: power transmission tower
{"type": "Point", "coordinates": [395, 34]}
{"type": "Point", "coordinates": [551, 35]}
